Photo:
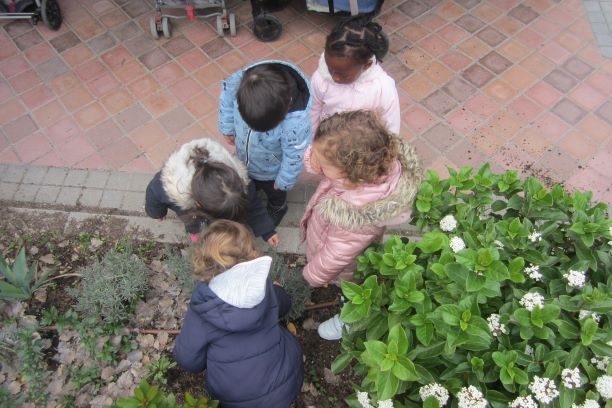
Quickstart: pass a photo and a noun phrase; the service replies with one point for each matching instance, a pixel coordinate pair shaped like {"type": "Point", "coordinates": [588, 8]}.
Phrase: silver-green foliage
{"type": "Point", "coordinates": [290, 277]}
{"type": "Point", "coordinates": [457, 308]}
{"type": "Point", "coordinates": [181, 266]}
{"type": "Point", "coordinates": [20, 280]}
{"type": "Point", "coordinates": [110, 287]}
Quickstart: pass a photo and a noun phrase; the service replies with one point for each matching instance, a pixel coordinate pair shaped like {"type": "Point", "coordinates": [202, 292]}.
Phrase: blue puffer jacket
{"type": "Point", "coordinates": [231, 330]}
{"type": "Point", "coordinates": [277, 154]}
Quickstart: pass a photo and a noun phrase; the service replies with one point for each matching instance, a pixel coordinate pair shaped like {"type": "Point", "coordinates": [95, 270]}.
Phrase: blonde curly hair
{"type": "Point", "coordinates": [224, 244]}
{"type": "Point", "coordinates": [358, 144]}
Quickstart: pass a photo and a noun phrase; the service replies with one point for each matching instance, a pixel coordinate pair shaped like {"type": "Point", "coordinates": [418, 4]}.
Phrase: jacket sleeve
{"type": "Point", "coordinates": [307, 162]}
{"type": "Point", "coordinates": [341, 248]}
{"type": "Point", "coordinates": [391, 108]}
{"type": "Point", "coordinates": [191, 344]}
{"type": "Point", "coordinates": [154, 205]}
{"type": "Point", "coordinates": [257, 215]}
{"type": "Point", "coordinates": [317, 101]}
{"type": "Point", "coordinates": [284, 301]}
{"type": "Point", "coordinates": [229, 87]}
{"type": "Point", "coordinates": [295, 139]}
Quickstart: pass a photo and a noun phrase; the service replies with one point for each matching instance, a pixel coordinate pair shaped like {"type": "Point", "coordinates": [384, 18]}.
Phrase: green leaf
{"type": "Point", "coordinates": [523, 317]}
{"type": "Point", "coordinates": [375, 349]}
{"type": "Point", "coordinates": [415, 297]}
{"type": "Point", "coordinates": [601, 349]}
{"type": "Point", "coordinates": [474, 282]}
{"type": "Point", "coordinates": [457, 272]}
{"type": "Point", "coordinates": [386, 385]}
{"type": "Point", "coordinates": [566, 397]}
{"type": "Point", "coordinates": [450, 314]}
{"type": "Point", "coordinates": [351, 313]}
{"type": "Point", "coordinates": [520, 376]}
{"type": "Point", "coordinates": [549, 312]}
{"type": "Point", "coordinates": [404, 369]}
{"type": "Point", "coordinates": [11, 292]}
{"type": "Point", "coordinates": [499, 358]}
{"type": "Point", "coordinates": [425, 333]}
{"type": "Point", "coordinates": [552, 369]}
{"type": "Point", "coordinates": [377, 327]}
{"type": "Point", "coordinates": [589, 328]}
{"type": "Point", "coordinates": [574, 357]}
{"type": "Point", "coordinates": [567, 330]}
{"type": "Point", "coordinates": [350, 289]}
{"type": "Point", "coordinates": [398, 334]}
{"type": "Point", "coordinates": [431, 402]}
{"type": "Point", "coordinates": [341, 362]}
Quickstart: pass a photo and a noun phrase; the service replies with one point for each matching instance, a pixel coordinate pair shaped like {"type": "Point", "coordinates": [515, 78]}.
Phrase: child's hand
{"type": "Point", "coordinates": [274, 240]}
{"type": "Point", "coordinates": [276, 186]}
{"type": "Point", "coordinates": [277, 283]}
{"type": "Point", "coordinates": [230, 140]}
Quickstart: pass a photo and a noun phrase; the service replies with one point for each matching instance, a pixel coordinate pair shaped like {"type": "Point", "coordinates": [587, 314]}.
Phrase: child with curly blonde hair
{"type": "Point", "coordinates": [232, 328]}
{"type": "Point", "coordinates": [370, 180]}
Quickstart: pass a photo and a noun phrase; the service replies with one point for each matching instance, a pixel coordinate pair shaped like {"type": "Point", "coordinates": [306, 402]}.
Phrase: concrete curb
{"type": "Point", "coordinates": [85, 194]}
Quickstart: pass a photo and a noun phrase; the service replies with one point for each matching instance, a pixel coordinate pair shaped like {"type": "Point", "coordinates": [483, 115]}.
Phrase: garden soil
{"type": "Point", "coordinates": [64, 249]}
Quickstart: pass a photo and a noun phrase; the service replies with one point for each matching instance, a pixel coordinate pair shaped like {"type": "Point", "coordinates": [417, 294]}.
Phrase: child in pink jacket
{"type": "Point", "coordinates": [370, 180]}
{"type": "Point", "coordinates": [349, 76]}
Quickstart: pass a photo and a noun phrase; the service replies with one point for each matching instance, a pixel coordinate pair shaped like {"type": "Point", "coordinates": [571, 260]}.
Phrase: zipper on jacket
{"type": "Point", "coordinates": [247, 148]}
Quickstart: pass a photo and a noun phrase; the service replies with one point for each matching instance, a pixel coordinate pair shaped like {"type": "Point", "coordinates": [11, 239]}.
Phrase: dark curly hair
{"type": "Point", "coordinates": [359, 144]}
{"type": "Point", "coordinates": [358, 38]}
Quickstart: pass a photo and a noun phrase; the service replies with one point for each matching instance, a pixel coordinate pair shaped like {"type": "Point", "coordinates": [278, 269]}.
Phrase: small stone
{"type": "Point", "coordinates": [146, 341]}
{"type": "Point", "coordinates": [101, 401]}
{"type": "Point", "coordinates": [95, 243]}
{"type": "Point", "coordinates": [47, 259]}
{"type": "Point", "coordinates": [63, 244]}
{"type": "Point", "coordinates": [14, 387]}
{"type": "Point", "coordinates": [41, 295]}
{"type": "Point", "coordinates": [162, 338]}
{"type": "Point", "coordinates": [33, 250]}
{"type": "Point", "coordinates": [116, 341]}
{"type": "Point", "coordinates": [107, 373]}
{"type": "Point", "coordinates": [125, 380]}
{"type": "Point", "coordinates": [123, 365]}
{"type": "Point", "coordinates": [309, 324]}
{"type": "Point", "coordinates": [135, 356]}
{"type": "Point", "coordinates": [330, 377]}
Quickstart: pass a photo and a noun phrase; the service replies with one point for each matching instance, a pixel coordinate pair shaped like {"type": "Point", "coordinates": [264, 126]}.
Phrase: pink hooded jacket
{"type": "Point", "coordinates": [340, 223]}
{"type": "Point", "coordinates": [374, 90]}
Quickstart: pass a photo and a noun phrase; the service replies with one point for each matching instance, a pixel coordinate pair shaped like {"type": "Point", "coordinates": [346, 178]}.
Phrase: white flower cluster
{"type": "Point", "coordinates": [533, 272]}
{"type": "Point", "coordinates": [531, 301]}
{"type": "Point", "coordinates": [604, 386]}
{"type": "Point", "coordinates": [543, 389]}
{"type": "Point", "coordinates": [524, 402]}
{"type": "Point", "coordinates": [571, 378]}
{"type": "Point", "coordinates": [448, 223]}
{"type": "Point", "coordinates": [587, 313]}
{"type": "Point", "coordinates": [457, 244]}
{"type": "Point", "coordinates": [601, 363]}
{"type": "Point", "coordinates": [589, 403]}
{"type": "Point", "coordinates": [575, 279]}
{"type": "Point", "coordinates": [535, 236]}
{"type": "Point", "coordinates": [434, 390]}
{"type": "Point", "coordinates": [529, 350]}
{"type": "Point", "coordinates": [498, 244]}
{"type": "Point", "coordinates": [495, 326]}
{"type": "Point", "coordinates": [470, 397]}
{"type": "Point", "coordinates": [364, 400]}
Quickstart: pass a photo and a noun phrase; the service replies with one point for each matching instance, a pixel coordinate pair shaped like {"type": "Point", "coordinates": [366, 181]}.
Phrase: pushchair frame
{"type": "Point", "coordinates": [34, 10]}
{"type": "Point", "coordinates": [160, 23]}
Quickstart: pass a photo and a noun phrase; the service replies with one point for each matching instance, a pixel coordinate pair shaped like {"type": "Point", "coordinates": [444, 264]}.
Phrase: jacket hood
{"type": "Point", "coordinates": [366, 76]}
{"type": "Point", "coordinates": [178, 170]}
{"type": "Point", "coordinates": [349, 215]}
{"type": "Point", "coordinates": [235, 300]}
{"type": "Point", "coordinates": [303, 83]}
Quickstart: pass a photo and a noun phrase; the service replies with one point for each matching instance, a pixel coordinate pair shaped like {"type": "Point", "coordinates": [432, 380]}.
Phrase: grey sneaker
{"type": "Point", "coordinates": [331, 329]}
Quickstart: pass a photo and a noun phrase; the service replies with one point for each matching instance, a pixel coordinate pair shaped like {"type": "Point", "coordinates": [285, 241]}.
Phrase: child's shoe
{"type": "Point", "coordinates": [331, 329]}
{"type": "Point", "coordinates": [277, 213]}
{"type": "Point", "coordinates": [194, 238]}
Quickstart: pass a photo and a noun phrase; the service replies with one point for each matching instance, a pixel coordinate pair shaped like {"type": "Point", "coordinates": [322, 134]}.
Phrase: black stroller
{"type": "Point", "coordinates": [267, 28]}
{"type": "Point", "coordinates": [46, 10]}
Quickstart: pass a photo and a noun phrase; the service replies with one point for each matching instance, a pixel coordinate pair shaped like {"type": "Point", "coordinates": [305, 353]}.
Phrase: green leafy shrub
{"type": "Point", "coordinates": [20, 280]}
{"type": "Point", "coordinates": [110, 287]}
{"type": "Point", "coordinates": [506, 301]}
{"type": "Point", "coordinates": [159, 369]}
{"type": "Point", "coordinates": [146, 396]}
{"type": "Point", "coordinates": [290, 277]}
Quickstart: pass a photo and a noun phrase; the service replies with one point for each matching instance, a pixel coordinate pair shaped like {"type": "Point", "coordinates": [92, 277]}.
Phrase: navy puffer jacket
{"type": "Point", "coordinates": [231, 330]}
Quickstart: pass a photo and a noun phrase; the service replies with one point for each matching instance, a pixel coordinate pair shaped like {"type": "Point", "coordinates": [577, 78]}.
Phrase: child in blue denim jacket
{"type": "Point", "coordinates": [263, 111]}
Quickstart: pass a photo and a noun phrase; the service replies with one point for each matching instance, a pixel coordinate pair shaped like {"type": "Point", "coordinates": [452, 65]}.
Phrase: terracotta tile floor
{"type": "Point", "coordinates": [521, 84]}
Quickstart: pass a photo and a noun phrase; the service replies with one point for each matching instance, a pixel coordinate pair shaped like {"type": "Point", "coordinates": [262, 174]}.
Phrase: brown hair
{"type": "Point", "coordinates": [358, 144]}
{"type": "Point", "coordinates": [224, 244]}
{"type": "Point", "coordinates": [217, 189]}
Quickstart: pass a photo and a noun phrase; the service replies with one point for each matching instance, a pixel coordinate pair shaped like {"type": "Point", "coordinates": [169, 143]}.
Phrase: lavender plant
{"type": "Point", "coordinates": [505, 302]}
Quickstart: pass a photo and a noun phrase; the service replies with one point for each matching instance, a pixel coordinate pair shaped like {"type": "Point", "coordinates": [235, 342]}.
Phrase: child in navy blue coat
{"type": "Point", "coordinates": [232, 328]}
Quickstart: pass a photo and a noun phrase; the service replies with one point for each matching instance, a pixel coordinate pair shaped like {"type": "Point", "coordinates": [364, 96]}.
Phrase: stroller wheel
{"type": "Point", "coordinates": [166, 27]}
{"type": "Point", "coordinates": [220, 26]}
{"type": "Point", "coordinates": [232, 24]}
{"type": "Point", "coordinates": [51, 14]}
{"type": "Point", "coordinates": [267, 28]}
{"type": "Point", "coordinates": [153, 28]}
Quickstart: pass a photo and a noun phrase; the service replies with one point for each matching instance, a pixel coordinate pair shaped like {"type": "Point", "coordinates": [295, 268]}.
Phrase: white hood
{"type": "Point", "coordinates": [244, 284]}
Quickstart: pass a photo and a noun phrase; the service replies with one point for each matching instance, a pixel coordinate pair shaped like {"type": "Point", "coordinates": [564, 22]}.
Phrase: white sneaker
{"type": "Point", "coordinates": [331, 329]}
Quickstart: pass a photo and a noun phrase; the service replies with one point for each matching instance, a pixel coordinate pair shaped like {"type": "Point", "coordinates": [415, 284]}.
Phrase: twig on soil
{"type": "Point", "coordinates": [322, 305]}
{"type": "Point", "coordinates": [64, 276]}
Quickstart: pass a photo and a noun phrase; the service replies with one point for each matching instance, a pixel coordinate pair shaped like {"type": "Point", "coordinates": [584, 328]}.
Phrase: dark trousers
{"type": "Point", "coordinates": [276, 198]}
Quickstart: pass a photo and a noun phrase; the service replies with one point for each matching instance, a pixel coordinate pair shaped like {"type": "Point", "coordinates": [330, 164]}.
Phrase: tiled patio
{"type": "Point", "coordinates": [521, 84]}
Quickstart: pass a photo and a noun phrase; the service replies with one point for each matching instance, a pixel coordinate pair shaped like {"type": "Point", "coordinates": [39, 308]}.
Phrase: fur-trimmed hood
{"type": "Point", "coordinates": [179, 169]}
{"type": "Point", "coordinates": [383, 211]}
